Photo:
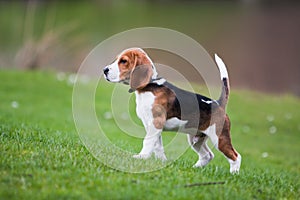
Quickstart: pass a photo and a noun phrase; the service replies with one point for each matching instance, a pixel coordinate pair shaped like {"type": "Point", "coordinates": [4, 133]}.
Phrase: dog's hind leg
{"type": "Point", "coordinates": [198, 144]}
{"type": "Point", "coordinates": [225, 146]}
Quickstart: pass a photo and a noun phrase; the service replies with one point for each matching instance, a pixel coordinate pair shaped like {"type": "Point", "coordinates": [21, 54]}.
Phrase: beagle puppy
{"type": "Point", "coordinates": [163, 106]}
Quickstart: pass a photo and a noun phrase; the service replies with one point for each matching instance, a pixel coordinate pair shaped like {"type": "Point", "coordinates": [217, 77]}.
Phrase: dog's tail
{"type": "Point", "coordinates": [224, 77]}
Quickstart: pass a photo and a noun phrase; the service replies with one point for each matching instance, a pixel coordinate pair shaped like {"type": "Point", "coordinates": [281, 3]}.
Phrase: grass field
{"type": "Point", "coordinates": [42, 157]}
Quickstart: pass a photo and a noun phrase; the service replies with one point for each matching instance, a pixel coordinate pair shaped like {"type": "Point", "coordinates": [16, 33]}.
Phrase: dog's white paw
{"type": "Point", "coordinates": [235, 165]}
{"type": "Point", "coordinates": [161, 156]}
{"type": "Point", "coordinates": [141, 156]}
{"type": "Point", "coordinates": [204, 160]}
{"type": "Point", "coordinates": [201, 163]}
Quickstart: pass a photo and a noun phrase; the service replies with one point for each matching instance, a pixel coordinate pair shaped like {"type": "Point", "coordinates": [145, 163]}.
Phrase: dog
{"type": "Point", "coordinates": [163, 106]}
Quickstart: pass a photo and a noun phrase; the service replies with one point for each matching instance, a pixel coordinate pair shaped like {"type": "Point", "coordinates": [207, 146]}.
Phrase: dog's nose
{"type": "Point", "coordinates": [105, 70]}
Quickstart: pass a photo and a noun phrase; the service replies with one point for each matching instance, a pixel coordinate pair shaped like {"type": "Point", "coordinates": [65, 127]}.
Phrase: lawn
{"type": "Point", "coordinates": [42, 157]}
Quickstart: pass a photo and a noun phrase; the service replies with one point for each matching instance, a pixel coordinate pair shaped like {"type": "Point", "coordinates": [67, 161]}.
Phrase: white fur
{"type": "Point", "coordinates": [144, 102]}
{"type": "Point", "coordinates": [114, 72]}
{"type": "Point", "coordinates": [153, 141]}
{"type": "Point", "coordinates": [160, 81]}
{"type": "Point", "coordinates": [173, 123]}
{"type": "Point", "coordinates": [199, 145]}
{"type": "Point", "coordinates": [211, 133]}
{"type": "Point", "coordinates": [208, 102]}
{"type": "Point", "coordinates": [221, 66]}
{"type": "Point", "coordinates": [235, 165]}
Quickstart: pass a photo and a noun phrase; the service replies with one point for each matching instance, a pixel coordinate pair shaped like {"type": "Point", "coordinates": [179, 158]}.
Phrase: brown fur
{"type": "Point", "coordinates": [133, 58]}
{"type": "Point", "coordinates": [225, 145]}
{"type": "Point", "coordinates": [159, 116]}
{"type": "Point", "coordinates": [163, 97]}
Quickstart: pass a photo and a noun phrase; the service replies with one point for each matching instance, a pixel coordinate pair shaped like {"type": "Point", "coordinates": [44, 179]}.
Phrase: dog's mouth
{"type": "Point", "coordinates": [125, 81]}
{"type": "Point", "coordinates": [105, 73]}
{"type": "Point", "coordinates": [106, 78]}
{"type": "Point", "coordinates": [111, 78]}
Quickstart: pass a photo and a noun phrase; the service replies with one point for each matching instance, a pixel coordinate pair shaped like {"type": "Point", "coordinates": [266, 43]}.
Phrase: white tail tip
{"type": "Point", "coordinates": [222, 67]}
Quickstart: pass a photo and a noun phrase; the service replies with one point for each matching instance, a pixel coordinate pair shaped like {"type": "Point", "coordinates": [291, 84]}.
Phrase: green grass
{"type": "Point", "coordinates": [42, 157]}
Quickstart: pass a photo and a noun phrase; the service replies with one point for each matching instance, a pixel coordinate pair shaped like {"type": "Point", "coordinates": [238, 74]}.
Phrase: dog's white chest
{"type": "Point", "coordinates": [144, 103]}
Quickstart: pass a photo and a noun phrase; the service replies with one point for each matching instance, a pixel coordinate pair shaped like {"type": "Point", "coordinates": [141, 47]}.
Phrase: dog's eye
{"type": "Point", "coordinates": [123, 61]}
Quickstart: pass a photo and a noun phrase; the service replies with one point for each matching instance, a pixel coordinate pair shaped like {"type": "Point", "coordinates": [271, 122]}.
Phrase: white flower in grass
{"type": "Point", "coordinates": [60, 76]}
{"type": "Point", "coordinates": [84, 79]}
{"type": "Point", "coordinates": [124, 116]}
{"type": "Point", "coordinates": [246, 129]}
{"type": "Point", "coordinates": [264, 155]}
{"type": "Point", "coordinates": [288, 116]}
{"type": "Point", "coordinates": [14, 104]}
{"type": "Point", "coordinates": [272, 130]}
{"type": "Point", "coordinates": [107, 115]}
{"type": "Point", "coordinates": [71, 79]}
{"type": "Point", "coordinates": [270, 118]}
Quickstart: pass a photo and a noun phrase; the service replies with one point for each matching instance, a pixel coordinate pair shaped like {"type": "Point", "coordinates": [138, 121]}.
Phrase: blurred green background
{"type": "Point", "coordinates": [259, 40]}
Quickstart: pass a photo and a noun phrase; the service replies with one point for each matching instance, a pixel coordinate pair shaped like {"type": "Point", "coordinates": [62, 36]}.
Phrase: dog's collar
{"type": "Point", "coordinates": [158, 81]}
{"type": "Point", "coordinates": [126, 81]}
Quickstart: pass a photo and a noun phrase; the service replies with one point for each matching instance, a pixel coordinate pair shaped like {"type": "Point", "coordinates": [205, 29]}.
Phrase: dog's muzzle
{"type": "Point", "coordinates": [105, 72]}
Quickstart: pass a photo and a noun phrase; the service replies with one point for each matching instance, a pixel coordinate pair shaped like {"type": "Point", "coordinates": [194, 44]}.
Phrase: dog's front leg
{"type": "Point", "coordinates": [152, 144]}
{"type": "Point", "coordinates": [159, 149]}
{"type": "Point", "coordinates": [153, 117]}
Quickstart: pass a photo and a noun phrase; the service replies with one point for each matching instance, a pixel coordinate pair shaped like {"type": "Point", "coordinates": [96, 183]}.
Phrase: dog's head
{"type": "Point", "coordinates": [133, 66]}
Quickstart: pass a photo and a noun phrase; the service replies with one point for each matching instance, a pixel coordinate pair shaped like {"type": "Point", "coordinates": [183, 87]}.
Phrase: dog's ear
{"type": "Point", "coordinates": [140, 77]}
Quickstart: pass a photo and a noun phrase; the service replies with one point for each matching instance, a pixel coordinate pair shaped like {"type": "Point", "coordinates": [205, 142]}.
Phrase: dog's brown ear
{"type": "Point", "coordinates": [140, 77]}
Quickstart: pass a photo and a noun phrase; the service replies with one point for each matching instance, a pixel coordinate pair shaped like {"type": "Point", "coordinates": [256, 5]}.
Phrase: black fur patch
{"type": "Point", "coordinates": [186, 105]}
